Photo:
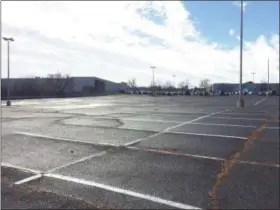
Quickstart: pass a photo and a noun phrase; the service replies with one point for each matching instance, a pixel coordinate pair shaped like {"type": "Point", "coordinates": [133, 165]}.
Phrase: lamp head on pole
{"type": "Point", "coordinates": [8, 39]}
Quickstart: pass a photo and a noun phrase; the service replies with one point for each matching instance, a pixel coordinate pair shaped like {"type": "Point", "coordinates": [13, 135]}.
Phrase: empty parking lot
{"type": "Point", "coordinates": [146, 152]}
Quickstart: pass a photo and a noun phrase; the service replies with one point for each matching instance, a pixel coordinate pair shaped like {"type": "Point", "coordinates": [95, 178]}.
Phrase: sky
{"type": "Point", "coordinates": [121, 40]}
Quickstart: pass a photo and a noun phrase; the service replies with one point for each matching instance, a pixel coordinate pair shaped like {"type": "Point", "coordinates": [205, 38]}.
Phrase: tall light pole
{"type": "Point", "coordinates": [268, 75]}
{"type": "Point", "coordinates": [240, 102]}
{"type": "Point", "coordinates": [253, 73]}
{"type": "Point", "coordinates": [153, 67]}
{"type": "Point", "coordinates": [8, 40]}
{"type": "Point", "coordinates": [174, 76]}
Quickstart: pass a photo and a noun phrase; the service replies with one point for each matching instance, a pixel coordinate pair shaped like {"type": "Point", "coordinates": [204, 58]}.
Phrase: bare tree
{"type": "Point", "coordinates": [58, 83]}
{"type": "Point", "coordinates": [184, 84]}
{"type": "Point", "coordinates": [168, 85]}
{"type": "Point", "coordinates": [205, 83]}
{"type": "Point", "coordinates": [158, 85]}
{"type": "Point", "coordinates": [131, 83]}
{"type": "Point", "coordinates": [181, 84]}
{"type": "Point", "coordinates": [187, 83]}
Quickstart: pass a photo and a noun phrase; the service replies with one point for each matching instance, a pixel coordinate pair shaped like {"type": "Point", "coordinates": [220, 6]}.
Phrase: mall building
{"type": "Point", "coordinates": [246, 87]}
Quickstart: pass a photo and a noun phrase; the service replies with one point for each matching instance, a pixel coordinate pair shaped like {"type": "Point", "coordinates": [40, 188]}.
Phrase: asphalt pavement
{"type": "Point", "coordinates": [141, 152]}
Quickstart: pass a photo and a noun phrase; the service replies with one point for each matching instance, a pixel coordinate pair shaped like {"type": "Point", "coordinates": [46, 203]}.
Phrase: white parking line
{"type": "Point", "coordinates": [139, 119]}
{"type": "Point", "coordinates": [200, 114]}
{"type": "Point", "coordinates": [206, 134]}
{"type": "Point", "coordinates": [258, 102]}
{"type": "Point", "coordinates": [8, 165]}
{"type": "Point", "coordinates": [238, 118]}
{"type": "Point", "coordinates": [173, 121]}
{"type": "Point", "coordinates": [227, 125]}
{"type": "Point", "coordinates": [65, 139]}
{"type": "Point", "coordinates": [272, 128]}
{"type": "Point", "coordinates": [40, 174]}
{"type": "Point", "coordinates": [28, 179]}
{"type": "Point", "coordinates": [148, 120]}
{"type": "Point", "coordinates": [122, 191]}
{"type": "Point", "coordinates": [77, 161]}
{"type": "Point", "coordinates": [111, 145]}
{"type": "Point", "coordinates": [169, 128]}
{"type": "Point", "coordinates": [176, 154]}
{"type": "Point", "coordinates": [245, 114]}
{"type": "Point", "coordinates": [105, 187]}
{"type": "Point", "coordinates": [203, 157]}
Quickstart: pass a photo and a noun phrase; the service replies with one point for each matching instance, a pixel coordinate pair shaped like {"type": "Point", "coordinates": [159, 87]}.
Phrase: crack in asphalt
{"type": "Point", "coordinates": [116, 120]}
{"type": "Point", "coordinates": [231, 160]}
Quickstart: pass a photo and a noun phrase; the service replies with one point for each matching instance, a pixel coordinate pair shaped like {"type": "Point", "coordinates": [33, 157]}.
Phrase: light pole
{"type": "Point", "coordinates": [268, 76]}
{"type": "Point", "coordinates": [253, 73]}
{"type": "Point", "coordinates": [240, 102]}
{"type": "Point", "coordinates": [153, 67]}
{"type": "Point", "coordinates": [8, 40]}
{"type": "Point", "coordinates": [174, 76]}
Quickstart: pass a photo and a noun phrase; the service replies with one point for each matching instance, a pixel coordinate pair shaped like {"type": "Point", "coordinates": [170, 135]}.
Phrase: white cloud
{"type": "Point", "coordinates": [115, 40]}
{"type": "Point", "coordinates": [231, 32]}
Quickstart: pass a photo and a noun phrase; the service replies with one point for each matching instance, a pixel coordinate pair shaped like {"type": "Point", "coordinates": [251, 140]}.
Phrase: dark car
{"type": "Point", "coordinates": [187, 93]}
{"type": "Point", "coordinates": [221, 93]}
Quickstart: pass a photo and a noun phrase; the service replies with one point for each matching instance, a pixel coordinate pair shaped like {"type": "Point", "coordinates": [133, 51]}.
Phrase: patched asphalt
{"type": "Point", "coordinates": [193, 144]}
{"type": "Point", "coordinates": [180, 179]}
{"type": "Point", "coordinates": [26, 197]}
{"type": "Point", "coordinates": [214, 130]}
{"type": "Point", "coordinates": [40, 153]}
{"type": "Point", "coordinates": [174, 163]}
{"type": "Point", "coordinates": [254, 187]}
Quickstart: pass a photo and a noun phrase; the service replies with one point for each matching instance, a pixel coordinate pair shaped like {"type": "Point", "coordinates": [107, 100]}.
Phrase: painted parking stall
{"type": "Point", "coordinates": [147, 152]}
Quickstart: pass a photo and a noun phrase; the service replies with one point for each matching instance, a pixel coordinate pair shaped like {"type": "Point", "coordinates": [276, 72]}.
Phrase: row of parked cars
{"type": "Point", "coordinates": [261, 93]}
{"type": "Point", "coordinates": [170, 93]}
{"type": "Point", "coordinates": [198, 93]}
{"type": "Point", "coordinates": [222, 93]}
{"type": "Point", "coordinates": [267, 93]}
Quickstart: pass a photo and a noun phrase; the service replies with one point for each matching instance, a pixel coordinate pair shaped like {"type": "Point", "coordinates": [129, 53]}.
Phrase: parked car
{"type": "Point", "coordinates": [261, 93]}
{"type": "Point", "coordinates": [271, 93]}
{"type": "Point", "coordinates": [187, 93]}
{"type": "Point", "coordinates": [221, 93]}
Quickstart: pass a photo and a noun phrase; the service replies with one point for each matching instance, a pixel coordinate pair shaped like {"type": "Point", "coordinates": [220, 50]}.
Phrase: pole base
{"type": "Point", "coordinates": [240, 103]}
{"type": "Point", "coordinates": [8, 103]}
